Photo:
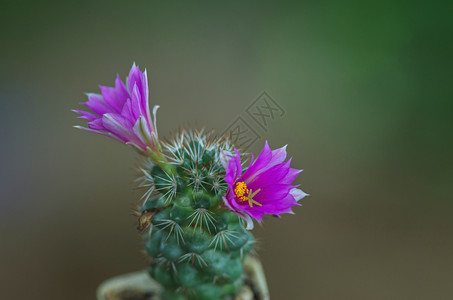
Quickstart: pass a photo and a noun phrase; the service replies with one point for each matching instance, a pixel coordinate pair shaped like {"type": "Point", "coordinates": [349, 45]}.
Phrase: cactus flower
{"type": "Point", "coordinates": [264, 188]}
{"type": "Point", "coordinates": [194, 189]}
{"type": "Point", "coordinates": [122, 112]}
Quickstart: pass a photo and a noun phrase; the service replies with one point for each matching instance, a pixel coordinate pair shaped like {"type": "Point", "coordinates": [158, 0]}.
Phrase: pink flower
{"type": "Point", "coordinates": [264, 188]}
{"type": "Point", "coordinates": [122, 112]}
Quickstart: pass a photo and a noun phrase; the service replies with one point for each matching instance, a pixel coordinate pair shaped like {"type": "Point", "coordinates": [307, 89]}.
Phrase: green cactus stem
{"type": "Point", "coordinates": [195, 244]}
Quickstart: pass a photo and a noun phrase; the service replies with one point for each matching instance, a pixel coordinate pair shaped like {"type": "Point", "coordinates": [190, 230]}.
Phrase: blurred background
{"type": "Point", "coordinates": [367, 94]}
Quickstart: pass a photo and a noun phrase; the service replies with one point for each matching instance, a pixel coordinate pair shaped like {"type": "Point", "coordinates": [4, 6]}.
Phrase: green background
{"type": "Point", "coordinates": [367, 90]}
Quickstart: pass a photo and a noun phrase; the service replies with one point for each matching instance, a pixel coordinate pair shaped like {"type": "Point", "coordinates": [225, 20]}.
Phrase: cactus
{"type": "Point", "coordinates": [199, 202]}
{"type": "Point", "coordinates": [195, 243]}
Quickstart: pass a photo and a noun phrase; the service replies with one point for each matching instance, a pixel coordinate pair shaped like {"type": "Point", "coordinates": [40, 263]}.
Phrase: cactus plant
{"type": "Point", "coordinates": [196, 245]}
{"type": "Point", "coordinates": [196, 212]}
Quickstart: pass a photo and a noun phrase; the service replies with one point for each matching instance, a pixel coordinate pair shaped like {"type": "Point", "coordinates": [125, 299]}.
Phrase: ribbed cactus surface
{"type": "Point", "coordinates": [195, 243]}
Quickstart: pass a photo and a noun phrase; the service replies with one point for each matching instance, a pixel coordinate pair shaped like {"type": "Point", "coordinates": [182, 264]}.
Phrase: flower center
{"type": "Point", "coordinates": [244, 194]}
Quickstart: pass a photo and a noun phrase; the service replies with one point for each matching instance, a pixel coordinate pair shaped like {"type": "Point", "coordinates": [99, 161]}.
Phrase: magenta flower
{"type": "Point", "coordinates": [122, 112]}
{"type": "Point", "coordinates": [264, 188]}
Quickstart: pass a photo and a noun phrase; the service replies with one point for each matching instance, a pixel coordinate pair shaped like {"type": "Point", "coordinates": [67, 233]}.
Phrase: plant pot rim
{"type": "Point", "coordinates": [141, 283]}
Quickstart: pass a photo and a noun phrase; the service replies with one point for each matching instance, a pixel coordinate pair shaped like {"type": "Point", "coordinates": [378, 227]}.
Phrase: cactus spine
{"type": "Point", "coordinates": [195, 244]}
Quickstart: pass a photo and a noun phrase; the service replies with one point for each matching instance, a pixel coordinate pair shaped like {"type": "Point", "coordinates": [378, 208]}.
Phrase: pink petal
{"type": "Point", "coordinates": [127, 112]}
{"type": "Point", "coordinates": [248, 220]}
{"type": "Point", "coordinates": [291, 176]}
{"type": "Point", "coordinates": [258, 165]}
{"type": "Point", "coordinates": [234, 169]}
{"type": "Point", "coordinates": [99, 132]}
{"type": "Point", "coordinates": [115, 96]}
{"type": "Point", "coordinates": [273, 193]}
{"type": "Point", "coordinates": [119, 126]}
{"type": "Point", "coordinates": [97, 125]}
{"type": "Point", "coordinates": [256, 214]}
{"type": "Point", "coordinates": [137, 109]}
{"type": "Point", "coordinates": [278, 155]}
{"type": "Point", "coordinates": [275, 174]}
{"type": "Point", "coordinates": [136, 77]}
{"type": "Point", "coordinates": [97, 104]}
{"type": "Point", "coordinates": [86, 115]}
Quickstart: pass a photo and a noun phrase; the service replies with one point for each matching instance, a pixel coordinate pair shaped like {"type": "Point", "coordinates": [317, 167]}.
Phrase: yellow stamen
{"type": "Point", "coordinates": [243, 193]}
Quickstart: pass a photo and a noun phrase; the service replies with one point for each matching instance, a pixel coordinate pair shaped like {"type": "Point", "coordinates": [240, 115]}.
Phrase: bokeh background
{"type": "Point", "coordinates": [367, 90]}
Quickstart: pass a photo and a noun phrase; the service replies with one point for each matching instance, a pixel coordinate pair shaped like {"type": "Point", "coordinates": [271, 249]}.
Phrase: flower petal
{"type": "Point", "coordinates": [234, 168]}
{"type": "Point", "coordinates": [259, 165]}
{"type": "Point", "coordinates": [291, 176]}
{"type": "Point", "coordinates": [275, 174]}
{"type": "Point", "coordinates": [297, 194]}
{"type": "Point", "coordinates": [273, 193]}
{"type": "Point", "coordinates": [86, 115]}
{"type": "Point", "coordinates": [153, 126]}
{"type": "Point", "coordinates": [97, 104]}
{"type": "Point", "coordinates": [279, 155]}
{"type": "Point", "coordinates": [225, 157]}
{"type": "Point", "coordinates": [137, 109]}
{"type": "Point", "coordinates": [97, 131]}
{"type": "Point", "coordinates": [248, 220]}
{"type": "Point", "coordinates": [97, 125]}
{"type": "Point", "coordinates": [115, 96]}
{"type": "Point", "coordinates": [137, 77]}
{"type": "Point", "coordinates": [119, 126]}
{"type": "Point", "coordinates": [142, 131]}
{"type": "Point", "coordinates": [123, 111]}
{"type": "Point", "coordinates": [268, 181]}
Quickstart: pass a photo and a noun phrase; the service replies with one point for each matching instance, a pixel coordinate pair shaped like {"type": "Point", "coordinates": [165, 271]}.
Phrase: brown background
{"type": "Point", "coordinates": [367, 92]}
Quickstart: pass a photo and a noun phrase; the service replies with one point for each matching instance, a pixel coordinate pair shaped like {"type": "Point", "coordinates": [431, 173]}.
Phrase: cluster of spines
{"type": "Point", "coordinates": [193, 153]}
{"type": "Point", "coordinates": [195, 244]}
